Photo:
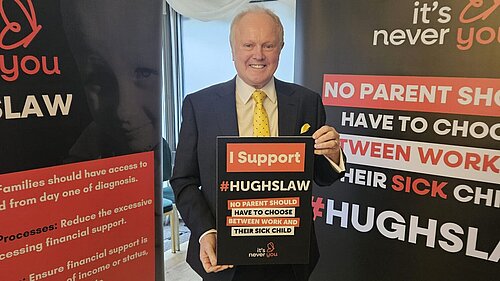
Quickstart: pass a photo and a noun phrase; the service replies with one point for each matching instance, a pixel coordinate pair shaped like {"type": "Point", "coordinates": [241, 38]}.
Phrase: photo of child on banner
{"type": "Point", "coordinates": [120, 86]}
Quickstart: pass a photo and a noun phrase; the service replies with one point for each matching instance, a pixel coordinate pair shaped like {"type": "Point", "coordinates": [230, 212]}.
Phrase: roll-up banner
{"type": "Point", "coordinates": [79, 146]}
{"type": "Point", "coordinates": [413, 87]}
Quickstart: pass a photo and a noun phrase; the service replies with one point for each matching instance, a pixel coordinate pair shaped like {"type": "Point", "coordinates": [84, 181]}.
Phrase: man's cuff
{"type": "Point", "coordinates": [340, 167]}
{"type": "Point", "coordinates": [207, 232]}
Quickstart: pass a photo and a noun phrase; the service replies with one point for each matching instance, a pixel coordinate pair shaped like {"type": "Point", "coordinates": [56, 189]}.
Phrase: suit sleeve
{"type": "Point", "coordinates": [185, 181]}
{"type": "Point", "coordinates": [324, 174]}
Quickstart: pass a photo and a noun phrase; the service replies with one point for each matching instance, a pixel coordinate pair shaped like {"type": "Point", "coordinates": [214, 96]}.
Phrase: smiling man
{"type": "Point", "coordinates": [227, 109]}
{"type": "Point", "coordinates": [256, 42]}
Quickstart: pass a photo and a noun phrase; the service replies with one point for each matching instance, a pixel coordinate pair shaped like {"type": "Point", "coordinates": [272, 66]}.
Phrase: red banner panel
{"type": "Point", "coordinates": [90, 220]}
{"type": "Point", "coordinates": [472, 96]}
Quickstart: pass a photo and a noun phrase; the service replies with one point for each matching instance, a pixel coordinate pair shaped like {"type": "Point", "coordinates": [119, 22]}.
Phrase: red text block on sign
{"type": "Point", "coordinates": [258, 221]}
{"type": "Point", "coordinates": [265, 157]}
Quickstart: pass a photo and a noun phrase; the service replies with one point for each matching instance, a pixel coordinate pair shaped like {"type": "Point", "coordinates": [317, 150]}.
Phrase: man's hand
{"type": "Point", "coordinates": [208, 257]}
{"type": "Point", "coordinates": [327, 142]}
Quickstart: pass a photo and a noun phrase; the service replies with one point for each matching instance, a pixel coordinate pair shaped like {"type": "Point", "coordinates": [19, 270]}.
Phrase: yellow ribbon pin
{"type": "Point", "coordinates": [305, 128]}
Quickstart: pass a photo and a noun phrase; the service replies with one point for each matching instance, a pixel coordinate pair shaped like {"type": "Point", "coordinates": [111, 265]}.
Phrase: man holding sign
{"type": "Point", "coordinates": [254, 103]}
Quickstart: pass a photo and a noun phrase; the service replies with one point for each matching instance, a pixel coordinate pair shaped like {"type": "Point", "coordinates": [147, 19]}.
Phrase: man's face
{"type": "Point", "coordinates": [256, 48]}
{"type": "Point", "coordinates": [120, 71]}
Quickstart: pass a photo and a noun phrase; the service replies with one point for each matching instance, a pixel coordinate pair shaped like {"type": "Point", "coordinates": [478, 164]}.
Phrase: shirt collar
{"type": "Point", "coordinates": [244, 91]}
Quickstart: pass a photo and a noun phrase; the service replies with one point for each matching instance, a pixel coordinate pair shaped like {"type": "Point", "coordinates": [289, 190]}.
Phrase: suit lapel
{"type": "Point", "coordinates": [227, 121]}
{"type": "Point", "coordinates": [287, 109]}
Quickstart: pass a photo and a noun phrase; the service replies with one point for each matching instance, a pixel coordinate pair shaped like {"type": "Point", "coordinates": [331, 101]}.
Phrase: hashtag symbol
{"type": "Point", "coordinates": [318, 206]}
{"type": "Point", "coordinates": [224, 185]}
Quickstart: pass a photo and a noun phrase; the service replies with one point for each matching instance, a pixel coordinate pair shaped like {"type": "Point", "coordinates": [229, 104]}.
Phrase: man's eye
{"type": "Point", "coordinates": [142, 73]}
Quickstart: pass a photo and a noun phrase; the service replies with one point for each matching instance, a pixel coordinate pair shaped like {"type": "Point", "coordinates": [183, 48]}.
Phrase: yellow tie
{"type": "Point", "coordinates": [260, 120]}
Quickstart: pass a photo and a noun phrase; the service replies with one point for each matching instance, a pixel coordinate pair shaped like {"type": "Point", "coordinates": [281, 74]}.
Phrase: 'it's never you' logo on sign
{"type": "Point", "coordinates": [18, 28]}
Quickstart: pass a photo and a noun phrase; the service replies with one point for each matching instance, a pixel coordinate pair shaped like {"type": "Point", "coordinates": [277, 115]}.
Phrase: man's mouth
{"type": "Point", "coordinates": [257, 66]}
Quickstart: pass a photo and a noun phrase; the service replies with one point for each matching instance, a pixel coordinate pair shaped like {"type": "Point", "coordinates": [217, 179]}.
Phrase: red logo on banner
{"type": "Point", "coordinates": [477, 4]}
{"type": "Point", "coordinates": [466, 37]}
{"type": "Point", "coordinates": [265, 157]}
{"type": "Point", "coordinates": [12, 27]}
{"type": "Point", "coordinates": [20, 29]}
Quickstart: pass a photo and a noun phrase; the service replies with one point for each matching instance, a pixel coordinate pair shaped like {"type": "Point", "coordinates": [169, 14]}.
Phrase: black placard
{"type": "Point", "coordinates": [264, 200]}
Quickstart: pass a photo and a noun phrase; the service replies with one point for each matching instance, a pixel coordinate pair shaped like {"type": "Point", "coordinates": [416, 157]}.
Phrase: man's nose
{"type": "Point", "coordinates": [258, 53]}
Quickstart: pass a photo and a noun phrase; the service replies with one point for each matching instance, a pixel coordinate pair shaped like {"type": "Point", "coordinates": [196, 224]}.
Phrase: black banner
{"type": "Point", "coordinates": [80, 153]}
{"type": "Point", "coordinates": [413, 88]}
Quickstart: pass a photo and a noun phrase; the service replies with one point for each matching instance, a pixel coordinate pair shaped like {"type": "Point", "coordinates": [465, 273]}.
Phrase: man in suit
{"type": "Point", "coordinates": [226, 109]}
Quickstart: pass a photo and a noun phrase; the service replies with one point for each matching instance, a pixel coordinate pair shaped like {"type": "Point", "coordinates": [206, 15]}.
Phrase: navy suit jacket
{"type": "Point", "coordinates": [211, 112]}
